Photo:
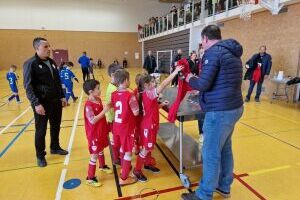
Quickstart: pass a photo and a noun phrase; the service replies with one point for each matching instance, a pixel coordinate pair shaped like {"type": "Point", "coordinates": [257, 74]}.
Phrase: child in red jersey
{"type": "Point", "coordinates": [149, 109]}
{"type": "Point", "coordinates": [126, 109]}
{"type": "Point", "coordinates": [96, 129]}
{"type": "Point", "coordinates": [138, 118]}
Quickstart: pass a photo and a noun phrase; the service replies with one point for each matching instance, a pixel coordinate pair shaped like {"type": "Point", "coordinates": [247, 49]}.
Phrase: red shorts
{"type": "Point", "coordinates": [123, 136]}
{"type": "Point", "coordinates": [96, 146]}
{"type": "Point", "coordinates": [148, 138]}
{"type": "Point", "coordinates": [126, 143]}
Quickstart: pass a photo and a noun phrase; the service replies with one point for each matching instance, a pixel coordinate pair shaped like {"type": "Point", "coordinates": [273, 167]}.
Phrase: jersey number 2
{"type": "Point", "coordinates": [118, 112]}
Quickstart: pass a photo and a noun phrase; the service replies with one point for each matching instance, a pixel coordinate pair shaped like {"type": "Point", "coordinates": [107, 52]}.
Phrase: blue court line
{"type": "Point", "coordinates": [15, 138]}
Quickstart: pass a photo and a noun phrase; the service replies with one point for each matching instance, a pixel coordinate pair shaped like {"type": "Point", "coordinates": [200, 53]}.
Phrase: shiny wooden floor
{"type": "Point", "coordinates": [266, 149]}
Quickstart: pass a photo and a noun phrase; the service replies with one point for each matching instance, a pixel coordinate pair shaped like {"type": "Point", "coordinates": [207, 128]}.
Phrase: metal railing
{"type": "Point", "coordinates": [195, 11]}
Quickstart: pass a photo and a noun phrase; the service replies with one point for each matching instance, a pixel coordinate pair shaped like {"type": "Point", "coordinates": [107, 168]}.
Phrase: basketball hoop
{"type": "Point", "coordinates": [246, 9]}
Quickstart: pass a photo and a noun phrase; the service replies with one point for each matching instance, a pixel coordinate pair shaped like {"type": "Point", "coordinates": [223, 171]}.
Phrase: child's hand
{"type": "Point", "coordinates": [178, 68]}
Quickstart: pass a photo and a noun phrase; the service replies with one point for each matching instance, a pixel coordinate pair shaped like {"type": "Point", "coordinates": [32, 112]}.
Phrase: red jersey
{"type": "Point", "coordinates": [96, 133]}
{"type": "Point", "coordinates": [151, 110]}
{"type": "Point", "coordinates": [124, 104]}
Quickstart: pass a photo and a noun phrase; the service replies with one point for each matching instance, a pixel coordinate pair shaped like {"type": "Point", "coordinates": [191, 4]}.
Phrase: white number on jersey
{"type": "Point", "coordinates": [118, 112]}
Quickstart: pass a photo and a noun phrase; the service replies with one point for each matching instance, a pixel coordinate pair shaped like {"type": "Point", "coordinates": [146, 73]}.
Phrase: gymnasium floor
{"type": "Point", "coordinates": [266, 149]}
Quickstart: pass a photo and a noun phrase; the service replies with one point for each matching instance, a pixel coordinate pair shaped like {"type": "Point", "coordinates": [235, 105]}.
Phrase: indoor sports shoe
{"type": "Point", "coordinates": [222, 193]}
{"type": "Point", "coordinates": [117, 162]}
{"type": "Point", "coordinates": [189, 196]}
{"type": "Point", "coordinates": [106, 169]}
{"type": "Point", "coordinates": [140, 176]}
{"type": "Point", "coordinates": [41, 162]}
{"type": "Point", "coordinates": [93, 182]}
{"type": "Point", "coordinates": [152, 168]}
{"type": "Point", "coordinates": [19, 102]}
{"type": "Point", "coordinates": [59, 151]}
{"type": "Point", "coordinates": [130, 180]}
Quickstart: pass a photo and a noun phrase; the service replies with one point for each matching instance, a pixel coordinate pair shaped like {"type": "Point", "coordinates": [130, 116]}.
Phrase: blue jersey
{"type": "Point", "coordinates": [68, 75]}
{"type": "Point", "coordinates": [12, 80]}
{"type": "Point", "coordinates": [61, 74]}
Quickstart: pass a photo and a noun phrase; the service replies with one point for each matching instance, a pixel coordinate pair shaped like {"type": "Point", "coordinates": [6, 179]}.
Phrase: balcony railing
{"type": "Point", "coordinates": [195, 11]}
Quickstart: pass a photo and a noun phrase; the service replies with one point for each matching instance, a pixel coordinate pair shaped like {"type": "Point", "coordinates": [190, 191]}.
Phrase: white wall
{"type": "Point", "coordinates": [195, 37]}
{"type": "Point", "coordinates": [79, 15]}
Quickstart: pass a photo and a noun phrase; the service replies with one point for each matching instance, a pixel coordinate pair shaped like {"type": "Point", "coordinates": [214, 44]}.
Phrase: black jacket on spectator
{"type": "Point", "coordinates": [150, 64]}
{"type": "Point", "coordinates": [193, 67]}
{"type": "Point", "coordinates": [40, 87]}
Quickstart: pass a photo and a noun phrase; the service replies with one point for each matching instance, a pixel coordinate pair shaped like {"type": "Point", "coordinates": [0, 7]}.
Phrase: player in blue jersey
{"type": "Point", "coordinates": [68, 77]}
{"type": "Point", "coordinates": [61, 74]}
{"type": "Point", "coordinates": [12, 78]}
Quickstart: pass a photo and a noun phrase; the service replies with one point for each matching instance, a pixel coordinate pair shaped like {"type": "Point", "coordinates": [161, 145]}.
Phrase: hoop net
{"type": "Point", "coordinates": [246, 9]}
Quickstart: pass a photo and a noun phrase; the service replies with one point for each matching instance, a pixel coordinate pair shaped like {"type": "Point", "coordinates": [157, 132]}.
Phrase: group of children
{"type": "Point", "coordinates": [133, 119]}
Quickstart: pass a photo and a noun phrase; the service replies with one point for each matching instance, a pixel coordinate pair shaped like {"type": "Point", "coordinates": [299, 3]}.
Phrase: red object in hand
{"type": "Point", "coordinates": [257, 74]}
{"type": "Point", "coordinates": [183, 88]}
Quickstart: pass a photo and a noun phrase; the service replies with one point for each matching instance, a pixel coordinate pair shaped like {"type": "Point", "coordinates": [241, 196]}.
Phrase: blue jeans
{"type": "Point", "coordinates": [217, 152]}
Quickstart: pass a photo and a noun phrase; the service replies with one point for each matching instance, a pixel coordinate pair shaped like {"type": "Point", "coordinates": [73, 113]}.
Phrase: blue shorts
{"type": "Point", "coordinates": [14, 88]}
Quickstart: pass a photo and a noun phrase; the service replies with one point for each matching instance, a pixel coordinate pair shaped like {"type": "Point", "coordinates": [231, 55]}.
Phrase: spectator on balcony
{"type": "Point", "coordinates": [175, 16]}
{"type": "Point", "coordinates": [150, 63]}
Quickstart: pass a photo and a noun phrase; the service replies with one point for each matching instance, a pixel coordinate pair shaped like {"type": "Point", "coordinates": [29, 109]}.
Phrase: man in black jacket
{"type": "Point", "coordinates": [44, 91]}
{"type": "Point", "coordinates": [150, 63]}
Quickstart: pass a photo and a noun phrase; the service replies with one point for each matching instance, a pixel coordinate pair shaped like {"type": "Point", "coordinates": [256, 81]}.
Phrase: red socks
{"type": "Point", "coordinates": [92, 169]}
{"type": "Point", "coordinates": [101, 159]}
{"type": "Point", "coordinates": [126, 167]}
{"type": "Point", "coordinates": [140, 162]}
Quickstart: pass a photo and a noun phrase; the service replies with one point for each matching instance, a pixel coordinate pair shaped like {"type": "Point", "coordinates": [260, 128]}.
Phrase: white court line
{"type": "Point", "coordinates": [13, 121]}
{"type": "Point", "coordinates": [67, 159]}
{"type": "Point", "coordinates": [60, 185]}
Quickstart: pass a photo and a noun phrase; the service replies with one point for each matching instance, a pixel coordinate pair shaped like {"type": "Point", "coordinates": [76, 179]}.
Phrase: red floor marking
{"type": "Point", "coordinates": [158, 192]}
{"type": "Point", "coordinates": [241, 175]}
{"type": "Point", "coordinates": [238, 177]}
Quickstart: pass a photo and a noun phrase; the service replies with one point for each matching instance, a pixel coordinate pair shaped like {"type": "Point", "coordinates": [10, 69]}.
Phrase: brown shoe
{"type": "Point", "coordinates": [130, 180]}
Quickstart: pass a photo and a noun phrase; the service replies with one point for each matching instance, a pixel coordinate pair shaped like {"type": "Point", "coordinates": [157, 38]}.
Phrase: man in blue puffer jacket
{"type": "Point", "coordinates": [221, 99]}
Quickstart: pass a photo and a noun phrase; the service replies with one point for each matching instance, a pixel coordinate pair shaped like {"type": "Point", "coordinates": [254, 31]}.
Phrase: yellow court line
{"type": "Point", "coordinates": [263, 171]}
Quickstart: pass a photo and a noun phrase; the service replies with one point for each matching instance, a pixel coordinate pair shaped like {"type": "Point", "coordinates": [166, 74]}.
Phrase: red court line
{"type": "Point", "coordinates": [237, 177]}
{"type": "Point", "coordinates": [241, 175]}
{"type": "Point", "coordinates": [157, 192]}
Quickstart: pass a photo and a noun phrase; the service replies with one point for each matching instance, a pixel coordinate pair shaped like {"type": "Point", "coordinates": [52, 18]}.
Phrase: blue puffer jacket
{"type": "Point", "coordinates": [221, 78]}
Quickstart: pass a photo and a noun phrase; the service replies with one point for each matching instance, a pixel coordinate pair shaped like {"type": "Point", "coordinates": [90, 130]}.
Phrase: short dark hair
{"type": "Point", "coordinates": [37, 41]}
{"type": "Point", "coordinates": [84, 52]}
{"type": "Point", "coordinates": [13, 66]}
{"type": "Point", "coordinates": [112, 68]}
{"type": "Point", "coordinates": [212, 32]}
{"type": "Point", "coordinates": [90, 85]}
{"type": "Point", "coordinates": [71, 64]}
{"type": "Point", "coordinates": [263, 46]}
{"type": "Point", "coordinates": [121, 75]}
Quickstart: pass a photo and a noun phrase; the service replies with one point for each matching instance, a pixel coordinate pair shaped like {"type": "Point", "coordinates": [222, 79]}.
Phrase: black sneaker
{"type": "Point", "coordinates": [257, 100]}
{"type": "Point", "coordinates": [189, 196]}
{"type": "Point", "coordinates": [117, 162]}
{"type": "Point", "coordinates": [152, 169]}
{"type": "Point", "coordinates": [41, 162]}
{"type": "Point", "coordinates": [59, 151]}
{"type": "Point", "coordinates": [140, 176]}
{"type": "Point", "coordinates": [222, 193]}
{"type": "Point", "coordinates": [247, 99]}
